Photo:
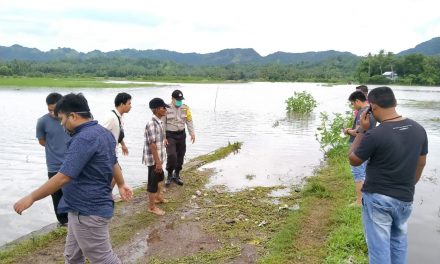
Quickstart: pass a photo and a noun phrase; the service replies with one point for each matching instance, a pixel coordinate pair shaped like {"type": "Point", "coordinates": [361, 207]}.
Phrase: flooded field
{"type": "Point", "coordinates": [276, 150]}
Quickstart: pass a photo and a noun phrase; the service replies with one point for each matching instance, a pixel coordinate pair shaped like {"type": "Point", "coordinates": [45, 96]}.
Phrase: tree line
{"type": "Point", "coordinates": [413, 69]}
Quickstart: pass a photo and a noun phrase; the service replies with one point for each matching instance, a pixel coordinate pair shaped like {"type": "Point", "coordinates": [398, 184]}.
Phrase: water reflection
{"type": "Point", "coordinates": [277, 149]}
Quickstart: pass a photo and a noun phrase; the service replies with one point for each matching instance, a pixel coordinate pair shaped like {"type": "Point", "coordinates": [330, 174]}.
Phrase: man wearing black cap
{"type": "Point", "coordinates": [177, 116]}
{"type": "Point", "coordinates": [154, 155]}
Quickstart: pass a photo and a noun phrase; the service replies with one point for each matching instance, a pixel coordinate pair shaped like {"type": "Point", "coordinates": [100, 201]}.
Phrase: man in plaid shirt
{"type": "Point", "coordinates": [154, 155]}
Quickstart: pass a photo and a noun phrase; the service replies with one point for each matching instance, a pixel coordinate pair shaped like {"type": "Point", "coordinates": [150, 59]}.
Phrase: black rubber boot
{"type": "Point", "coordinates": [169, 179]}
{"type": "Point", "coordinates": [177, 178]}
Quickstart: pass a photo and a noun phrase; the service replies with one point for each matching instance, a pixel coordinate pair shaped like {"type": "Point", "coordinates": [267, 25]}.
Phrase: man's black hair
{"type": "Point", "coordinates": [383, 97]}
{"type": "Point", "coordinates": [53, 98]}
{"type": "Point", "coordinates": [122, 98]}
{"type": "Point", "coordinates": [358, 95]}
{"type": "Point", "coordinates": [73, 103]}
{"type": "Point", "coordinates": [362, 88]}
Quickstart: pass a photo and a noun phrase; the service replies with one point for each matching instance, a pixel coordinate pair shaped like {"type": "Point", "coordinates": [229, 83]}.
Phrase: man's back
{"type": "Point", "coordinates": [394, 149]}
{"type": "Point", "coordinates": [89, 163]}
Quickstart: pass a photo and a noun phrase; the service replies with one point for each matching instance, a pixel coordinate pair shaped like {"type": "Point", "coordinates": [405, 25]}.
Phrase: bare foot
{"type": "Point", "coordinates": [161, 200]}
{"type": "Point", "coordinates": [156, 211]}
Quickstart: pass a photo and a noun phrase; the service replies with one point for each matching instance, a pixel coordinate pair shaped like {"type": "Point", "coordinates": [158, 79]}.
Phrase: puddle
{"type": "Point", "coordinates": [136, 250]}
{"type": "Point", "coordinates": [153, 237]}
{"type": "Point", "coordinates": [282, 192]}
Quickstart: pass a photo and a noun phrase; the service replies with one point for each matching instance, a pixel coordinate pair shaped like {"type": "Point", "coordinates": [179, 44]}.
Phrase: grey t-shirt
{"type": "Point", "coordinates": [393, 150]}
{"type": "Point", "coordinates": [357, 121]}
{"type": "Point", "coordinates": [50, 129]}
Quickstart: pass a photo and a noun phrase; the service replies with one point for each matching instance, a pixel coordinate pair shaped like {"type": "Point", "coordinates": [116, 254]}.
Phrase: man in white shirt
{"type": "Point", "coordinates": [115, 120]}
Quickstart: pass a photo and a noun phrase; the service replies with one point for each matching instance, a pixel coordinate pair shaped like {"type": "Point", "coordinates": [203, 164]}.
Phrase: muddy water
{"type": "Point", "coordinates": [277, 150]}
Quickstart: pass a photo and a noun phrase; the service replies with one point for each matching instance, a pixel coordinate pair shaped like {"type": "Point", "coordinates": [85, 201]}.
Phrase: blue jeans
{"type": "Point", "coordinates": [359, 172]}
{"type": "Point", "coordinates": [385, 226]}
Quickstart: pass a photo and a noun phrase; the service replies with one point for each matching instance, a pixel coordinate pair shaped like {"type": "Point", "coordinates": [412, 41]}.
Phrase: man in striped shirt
{"type": "Point", "coordinates": [154, 155]}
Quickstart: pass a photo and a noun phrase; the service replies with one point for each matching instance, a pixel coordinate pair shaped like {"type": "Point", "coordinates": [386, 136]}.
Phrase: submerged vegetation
{"type": "Point", "coordinates": [302, 102]}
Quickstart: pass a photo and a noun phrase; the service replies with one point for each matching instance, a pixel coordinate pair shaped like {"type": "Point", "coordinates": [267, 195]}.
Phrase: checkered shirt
{"type": "Point", "coordinates": [154, 133]}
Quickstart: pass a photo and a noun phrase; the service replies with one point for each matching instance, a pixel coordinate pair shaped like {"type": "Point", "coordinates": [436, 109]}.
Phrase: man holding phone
{"type": "Point", "coordinates": [360, 105]}
{"type": "Point", "coordinates": [396, 152]}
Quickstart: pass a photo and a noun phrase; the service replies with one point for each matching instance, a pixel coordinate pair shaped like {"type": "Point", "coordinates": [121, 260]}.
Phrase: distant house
{"type": "Point", "coordinates": [390, 75]}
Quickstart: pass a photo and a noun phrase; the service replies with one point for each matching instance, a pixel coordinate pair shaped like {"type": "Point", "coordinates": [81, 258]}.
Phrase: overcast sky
{"type": "Point", "coordinates": [205, 26]}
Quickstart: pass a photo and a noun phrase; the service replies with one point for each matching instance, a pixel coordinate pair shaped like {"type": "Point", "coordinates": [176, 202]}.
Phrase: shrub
{"type": "Point", "coordinates": [328, 134]}
{"type": "Point", "coordinates": [301, 102]}
{"type": "Point", "coordinates": [379, 79]}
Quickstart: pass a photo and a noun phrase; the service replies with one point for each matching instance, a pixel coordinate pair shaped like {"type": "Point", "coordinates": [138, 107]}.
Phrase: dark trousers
{"type": "Point", "coordinates": [176, 149]}
{"type": "Point", "coordinates": [56, 197]}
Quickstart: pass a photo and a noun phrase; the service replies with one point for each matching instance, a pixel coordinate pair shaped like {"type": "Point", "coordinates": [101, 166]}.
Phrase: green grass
{"type": "Point", "coordinates": [344, 241]}
{"type": "Point", "coordinates": [12, 252]}
{"type": "Point", "coordinates": [217, 256]}
{"type": "Point", "coordinates": [23, 82]}
{"type": "Point", "coordinates": [93, 82]}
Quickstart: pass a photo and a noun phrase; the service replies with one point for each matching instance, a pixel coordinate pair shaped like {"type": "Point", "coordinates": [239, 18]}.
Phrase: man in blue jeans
{"type": "Point", "coordinates": [360, 104]}
{"type": "Point", "coordinates": [396, 152]}
{"type": "Point", "coordinates": [86, 174]}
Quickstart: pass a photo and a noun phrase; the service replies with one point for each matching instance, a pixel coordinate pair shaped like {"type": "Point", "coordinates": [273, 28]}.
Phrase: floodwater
{"type": "Point", "coordinates": [276, 150]}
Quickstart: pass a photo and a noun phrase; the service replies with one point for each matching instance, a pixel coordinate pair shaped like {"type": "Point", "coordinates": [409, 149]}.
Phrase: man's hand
{"type": "Point", "coordinates": [23, 204]}
{"type": "Point", "coordinates": [125, 192]}
{"type": "Point", "coordinates": [165, 142]}
{"type": "Point", "coordinates": [49, 187]}
{"type": "Point", "coordinates": [365, 120]}
{"type": "Point", "coordinates": [158, 167]}
{"type": "Point", "coordinates": [193, 138]}
{"type": "Point", "coordinates": [124, 150]}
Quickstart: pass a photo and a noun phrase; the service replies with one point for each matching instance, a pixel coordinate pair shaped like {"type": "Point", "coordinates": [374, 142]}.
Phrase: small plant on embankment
{"type": "Point", "coordinates": [301, 103]}
{"type": "Point", "coordinates": [328, 134]}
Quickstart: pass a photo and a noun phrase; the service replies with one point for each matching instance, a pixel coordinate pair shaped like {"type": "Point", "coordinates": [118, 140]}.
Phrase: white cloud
{"type": "Point", "coordinates": [209, 26]}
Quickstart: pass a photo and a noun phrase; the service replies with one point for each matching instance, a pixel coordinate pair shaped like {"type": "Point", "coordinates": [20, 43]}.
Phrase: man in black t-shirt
{"type": "Point", "coordinates": [396, 152]}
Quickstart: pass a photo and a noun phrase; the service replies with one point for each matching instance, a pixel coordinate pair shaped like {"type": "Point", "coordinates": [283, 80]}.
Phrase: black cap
{"type": "Point", "coordinates": [178, 95]}
{"type": "Point", "coordinates": [157, 102]}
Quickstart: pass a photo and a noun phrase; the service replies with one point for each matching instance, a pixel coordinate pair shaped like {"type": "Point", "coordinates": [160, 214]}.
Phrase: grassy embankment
{"type": "Point", "coordinates": [327, 199]}
{"type": "Point", "coordinates": [83, 82]}
{"type": "Point", "coordinates": [325, 229]}
{"type": "Point", "coordinates": [24, 82]}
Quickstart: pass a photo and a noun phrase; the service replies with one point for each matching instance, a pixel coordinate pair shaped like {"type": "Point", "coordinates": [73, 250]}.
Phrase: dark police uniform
{"type": "Point", "coordinates": [175, 121]}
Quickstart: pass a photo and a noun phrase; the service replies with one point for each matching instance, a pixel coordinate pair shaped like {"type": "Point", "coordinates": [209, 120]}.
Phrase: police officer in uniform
{"type": "Point", "coordinates": [177, 116]}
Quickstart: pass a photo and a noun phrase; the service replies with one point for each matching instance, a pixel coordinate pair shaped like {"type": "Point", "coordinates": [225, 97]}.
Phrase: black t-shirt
{"type": "Point", "coordinates": [393, 150]}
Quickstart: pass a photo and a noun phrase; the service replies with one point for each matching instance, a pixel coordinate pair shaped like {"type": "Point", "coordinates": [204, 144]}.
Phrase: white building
{"type": "Point", "coordinates": [390, 75]}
